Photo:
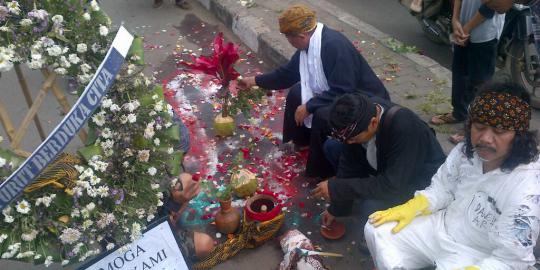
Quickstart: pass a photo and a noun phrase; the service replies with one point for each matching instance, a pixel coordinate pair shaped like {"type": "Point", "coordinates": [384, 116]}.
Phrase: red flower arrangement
{"type": "Point", "coordinates": [220, 65]}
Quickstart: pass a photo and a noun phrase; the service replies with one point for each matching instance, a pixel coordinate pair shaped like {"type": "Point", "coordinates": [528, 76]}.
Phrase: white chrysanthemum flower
{"type": "Point", "coordinates": [103, 30]}
{"type": "Point", "coordinates": [57, 19]}
{"type": "Point", "coordinates": [135, 231]}
{"type": "Point", "coordinates": [26, 22]}
{"type": "Point", "coordinates": [3, 237]}
{"type": "Point", "coordinates": [60, 71]}
{"type": "Point", "coordinates": [106, 103]}
{"type": "Point", "coordinates": [87, 223]}
{"type": "Point", "coordinates": [143, 155]}
{"type": "Point", "coordinates": [70, 236]}
{"type": "Point", "coordinates": [48, 261]}
{"type": "Point", "coordinates": [95, 47]}
{"type": "Point", "coordinates": [74, 59]}
{"type": "Point", "coordinates": [64, 62]}
{"type": "Point", "coordinates": [115, 108]}
{"type": "Point", "coordinates": [14, 7]}
{"type": "Point", "coordinates": [82, 48]}
{"type": "Point", "coordinates": [29, 236]}
{"type": "Point", "coordinates": [86, 16]}
{"type": "Point", "coordinates": [132, 118]}
{"type": "Point", "coordinates": [103, 191]}
{"type": "Point", "coordinates": [25, 254]}
{"type": "Point", "coordinates": [99, 119]}
{"type": "Point", "coordinates": [109, 246]}
{"type": "Point", "coordinates": [108, 144]}
{"type": "Point", "coordinates": [94, 5]}
{"type": "Point", "coordinates": [91, 206]}
{"type": "Point", "coordinates": [152, 113]}
{"type": "Point", "coordinates": [170, 150]}
{"type": "Point", "coordinates": [159, 106]}
{"type": "Point", "coordinates": [149, 130]}
{"type": "Point", "coordinates": [152, 171]}
{"type": "Point", "coordinates": [157, 141]}
{"type": "Point", "coordinates": [106, 133]}
{"type": "Point", "coordinates": [5, 29]}
{"type": "Point", "coordinates": [65, 262]}
{"type": "Point", "coordinates": [85, 68]}
{"type": "Point", "coordinates": [150, 217]}
{"type": "Point", "coordinates": [94, 180]}
{"type": "Point", "coordinates": [54, 50]}
{"type": "Point", "coordinates": [23, 207]}
{"type": "Point", "coordinates": [123, 119]}
{"type": "Point", "coordinates": [75, 213]}
{"type": "Point", "coordinates": [168, 125]}
{"type": "Point", "coordinates": [8, 219]}
{"type": "Point", "coordinates": [125, 164]}
{"type": "Point", "coordinates": [154, 186]}
{"type": "Point", "coordinates": [84, 78]}
{"type": "Point", "coordinates": [2, 162]}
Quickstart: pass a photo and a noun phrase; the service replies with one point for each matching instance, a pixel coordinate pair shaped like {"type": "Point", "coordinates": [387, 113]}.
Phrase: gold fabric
{"type": "Point", "coordinates": [60, 174]}
{"type": "Point", "coordinates": [297, 19]}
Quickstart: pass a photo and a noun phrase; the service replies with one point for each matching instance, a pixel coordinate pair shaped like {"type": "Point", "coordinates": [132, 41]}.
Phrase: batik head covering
{"type": "Point", "coordinates": [358, 119]}
{"type": "Point", "coordinates": [297, 19]}
{"type": "Point", "coordinates": [501, 110]}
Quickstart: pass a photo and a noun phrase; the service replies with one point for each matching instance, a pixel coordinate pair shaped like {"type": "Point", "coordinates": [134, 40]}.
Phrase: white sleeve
{"type": "Point", "coordinates": [516, 230]}
{"type": "Point", "coordinates": [443, 184]}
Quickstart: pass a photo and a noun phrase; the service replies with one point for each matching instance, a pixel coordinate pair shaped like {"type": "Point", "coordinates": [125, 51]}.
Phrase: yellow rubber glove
{"type": "Point", "coordinates": [403, 213]}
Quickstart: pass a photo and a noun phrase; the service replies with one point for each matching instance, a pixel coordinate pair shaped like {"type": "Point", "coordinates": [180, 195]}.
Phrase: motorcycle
{"type": "Point", "coordinates": [516, 52]}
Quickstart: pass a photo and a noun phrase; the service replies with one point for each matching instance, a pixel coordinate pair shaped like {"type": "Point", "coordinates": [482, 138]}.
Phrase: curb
{"type": "Point", "coordinates": [258, 37]}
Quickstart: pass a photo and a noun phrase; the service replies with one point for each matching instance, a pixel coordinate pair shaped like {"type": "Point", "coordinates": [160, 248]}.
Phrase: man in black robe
{"type": "Point", "coordinates": [382, 153]}
{"type": "Point", "coordinates": [345, 71]}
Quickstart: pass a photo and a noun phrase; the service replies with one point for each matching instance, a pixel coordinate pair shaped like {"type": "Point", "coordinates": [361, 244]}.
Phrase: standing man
{"type": "Point", "coordinates": [482, 209]}
{"type": "Point", "coordinates": [382, 152]}
{"type": "Point", "coordinates": [503, 6]}
{"type": "Point", "coordinates": [325, 66]}
{"type": "Point", "coordinates": [475, 53]}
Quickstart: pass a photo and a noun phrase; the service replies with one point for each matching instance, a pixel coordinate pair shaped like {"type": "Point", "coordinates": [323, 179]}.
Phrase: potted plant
{"type": "Point", "coordinates": [221, 66]}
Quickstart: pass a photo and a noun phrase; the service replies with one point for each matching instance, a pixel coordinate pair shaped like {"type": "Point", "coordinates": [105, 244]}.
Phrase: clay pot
{"type": "Point", "coordinates": [262, 207]}
{"type": "Point", "coordinates": [228, 218]}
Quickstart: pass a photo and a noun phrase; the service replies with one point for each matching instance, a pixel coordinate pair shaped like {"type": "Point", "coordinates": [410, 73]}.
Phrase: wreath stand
{"type": "Point", "coordinates": [14, 135]}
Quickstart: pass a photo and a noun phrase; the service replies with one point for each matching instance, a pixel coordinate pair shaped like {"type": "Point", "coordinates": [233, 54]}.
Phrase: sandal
{"type": "Point", "coordinates": [183, 5]}
{"type": "Point", "coordinates": [443, 119]}
{"type": "Point", "coordinates": [456, 138]}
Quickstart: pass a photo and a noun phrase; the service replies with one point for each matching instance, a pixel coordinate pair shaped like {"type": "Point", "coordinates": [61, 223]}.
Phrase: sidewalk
{"type": "Point", "coordinates": [413, 80]}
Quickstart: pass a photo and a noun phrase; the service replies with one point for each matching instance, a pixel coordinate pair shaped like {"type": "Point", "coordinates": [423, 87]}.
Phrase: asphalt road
{"type": "Point", "coordinates": [402, 25]}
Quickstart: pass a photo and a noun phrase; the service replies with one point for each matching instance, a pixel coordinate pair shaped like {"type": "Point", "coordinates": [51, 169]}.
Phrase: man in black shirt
{"type": "Point", "coordinates": [382, 153]}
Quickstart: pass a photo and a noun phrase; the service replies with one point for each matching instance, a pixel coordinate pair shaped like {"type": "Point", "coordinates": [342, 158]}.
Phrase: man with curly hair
{"type": "Point", "coordinates": [482, 209]}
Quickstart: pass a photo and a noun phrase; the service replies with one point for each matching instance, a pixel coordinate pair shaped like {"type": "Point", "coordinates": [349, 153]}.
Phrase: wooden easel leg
{"type": "Point", "coordinates": [6, 122]}
{"type": "Point", "coordinates": [59, 94]}
{"type": "Point", "coordinates": [32, 112]}
{"type": "Point", "coordinates": [29, 101]}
